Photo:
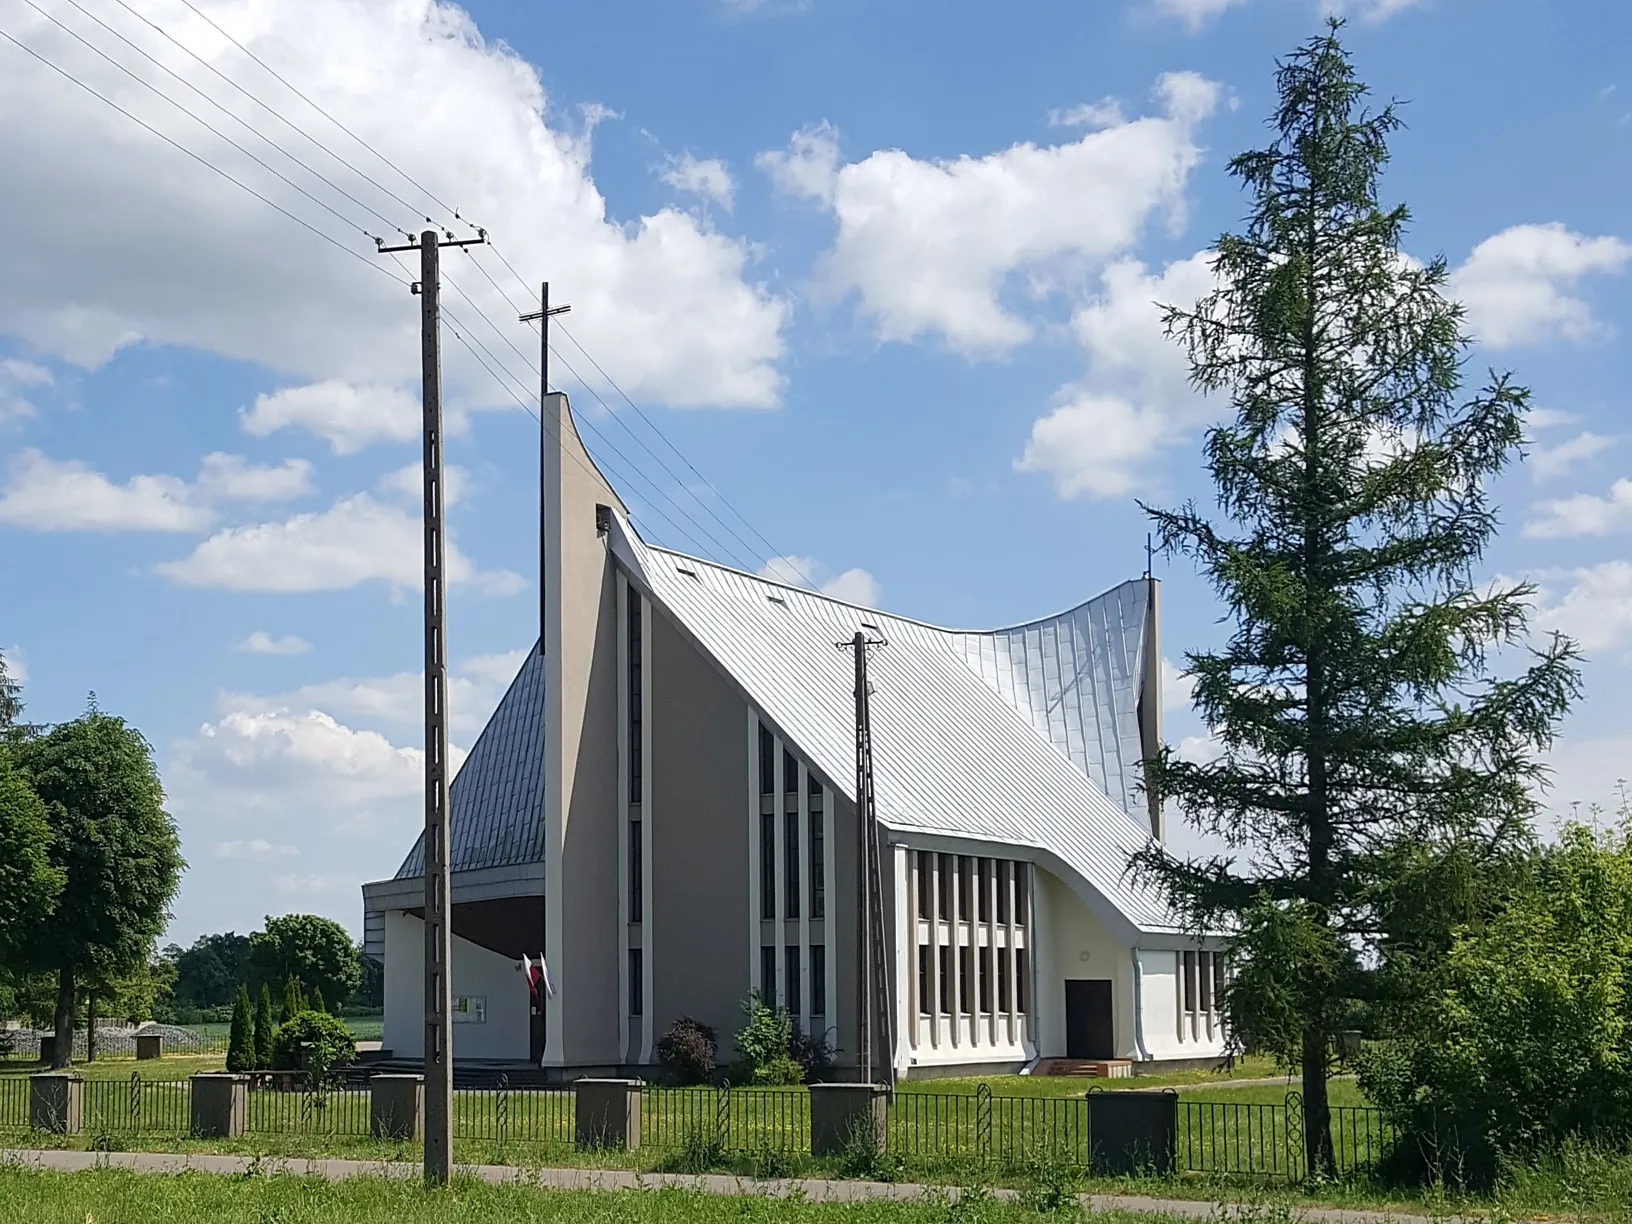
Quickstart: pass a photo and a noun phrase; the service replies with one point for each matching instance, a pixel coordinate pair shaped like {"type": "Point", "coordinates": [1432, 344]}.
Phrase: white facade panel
{"type": "Point", "coordinates": [478, 974]}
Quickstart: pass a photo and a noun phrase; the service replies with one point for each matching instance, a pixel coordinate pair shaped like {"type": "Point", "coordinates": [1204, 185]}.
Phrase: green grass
{"type": "Point", "coordinates": [170, 1067]}
{"type": "Point", "coordinates": [115, 1197]}
{"type": "Point", "coordinates": [1254, 1067]}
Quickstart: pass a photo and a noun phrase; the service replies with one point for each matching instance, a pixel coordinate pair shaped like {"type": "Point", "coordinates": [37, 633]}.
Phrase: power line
{"type": "Point", "coordinates": [205, 162]}
{"type": "Point", "coordinates": [319, 109]}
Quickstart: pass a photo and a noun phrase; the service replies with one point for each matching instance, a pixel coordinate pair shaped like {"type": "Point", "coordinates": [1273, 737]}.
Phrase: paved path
{"type": "Point", "coordinates": [816, 1189]}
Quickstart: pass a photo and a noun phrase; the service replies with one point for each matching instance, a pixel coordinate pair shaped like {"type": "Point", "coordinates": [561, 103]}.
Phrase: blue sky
{"type": "Point", "coordinates": [883, 272]}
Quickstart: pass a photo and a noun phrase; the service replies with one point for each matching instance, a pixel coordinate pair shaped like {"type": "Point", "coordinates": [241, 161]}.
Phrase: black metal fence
{"type": "Point", "coordinates": [23, 1044]}
{"type": "Point", "coordinates": [925, 1129]}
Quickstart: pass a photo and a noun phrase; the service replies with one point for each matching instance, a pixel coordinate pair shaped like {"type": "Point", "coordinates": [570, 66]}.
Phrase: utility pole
{"type": "Point", "coordinates": [542, 318]}
{"type": "Point", "coordinates": [872, 994]}
{"type": "Point", "coordinates": [438, 881]}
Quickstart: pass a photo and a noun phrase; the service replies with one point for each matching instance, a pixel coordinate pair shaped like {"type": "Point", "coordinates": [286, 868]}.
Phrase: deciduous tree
{"type": "Point", "coordinates": [306, 948]}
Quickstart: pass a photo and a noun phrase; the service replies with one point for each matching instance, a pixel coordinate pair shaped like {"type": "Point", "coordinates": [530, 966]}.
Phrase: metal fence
{"type": "Point", "coordinates": [925, 1129]}
{"type": "Point", "coordinates": [23, 1044]}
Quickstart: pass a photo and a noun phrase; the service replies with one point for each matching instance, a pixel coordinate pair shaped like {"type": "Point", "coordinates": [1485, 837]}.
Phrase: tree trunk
{"type": "Point", "coordinates": [1317, 1109]}
{"type": "Point", "coordinates": [90, 1026]}
{"type": "Point", "coordinates": [62, 1045]}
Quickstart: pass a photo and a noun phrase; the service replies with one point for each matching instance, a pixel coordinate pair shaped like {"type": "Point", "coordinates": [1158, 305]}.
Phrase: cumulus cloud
{"type": "Point", "coordinates": [705, 177]}
{"type": "Point", "coordinates": [1178, 689]}
{"type": "Point", "coordinates": [1135, 399]}
{"type": "Point", "coordinates": [347, 417]}
{"type": "Point", "coordinates": [262, 642]}
{"type": "Point", "coordinates": [47, 495]}
{"type": "Point", "coordinates": [1107, 112]}
{"type": "Point", "coordinates": [1194, 14]}
{"type": "Point", "coordinates": [1520, 286]}
{"type": "Point", "coordinates": [1551, 462]}
{"type": "Point", "coordinates": [234, 478]}
{"type": "Point", "coordinates": [359, 539]}
{"type": "Point", "coordinates": [931, 247]}
{"type": "Point", "coordinates": [667, 299]}
{"type": "Point", "coordinates": [855, 586]}
{"type": "Point", "coordinates": [1593, 604]}
{"type": "Point", "coordinates": [410, 482]}
{"type": "Point", "coordinates": [1583, 514]}
{"type": "Point", "coordinates": [17, 379]}
{"type": "Point", "coordinates": [257, 849]}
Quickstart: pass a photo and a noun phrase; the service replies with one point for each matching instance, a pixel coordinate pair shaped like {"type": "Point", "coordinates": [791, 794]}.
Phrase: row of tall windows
{"type": "Point", "coordinates": [637, 881]}
{"type": "Point", "coordinates": [803, 868]}
{"type": "Point", "coordinates": [978, 970]}
{"type": "Point", "coordinates": [1201, 983]}
{"type": "Point", "coordinates": [791, 995]}
{"type": "Point", "coordinates": [972, 877]}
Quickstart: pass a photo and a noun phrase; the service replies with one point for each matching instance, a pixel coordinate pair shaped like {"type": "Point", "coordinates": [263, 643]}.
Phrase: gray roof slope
{"type": "Point", "coordinates": [496, 801]}
{"type": "Point", "coordinates": [953, 755]}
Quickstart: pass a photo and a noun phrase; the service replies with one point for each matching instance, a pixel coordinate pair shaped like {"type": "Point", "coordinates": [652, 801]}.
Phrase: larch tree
{"type": "Point", "coordinates": [1359, 717]}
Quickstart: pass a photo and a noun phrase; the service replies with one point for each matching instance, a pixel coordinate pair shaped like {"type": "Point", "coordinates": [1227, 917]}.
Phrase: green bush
{"type": "Point", "coordinates": [264, 1029]}
{"type": "Point", "coordinates": [312, 1041]}
{"type": "Point", "coordinates": [1524, 1043]}
{"type": "Point", "coordinates": [240, 1038]}
{"type": "Point", "coordinates": [763, 1044]}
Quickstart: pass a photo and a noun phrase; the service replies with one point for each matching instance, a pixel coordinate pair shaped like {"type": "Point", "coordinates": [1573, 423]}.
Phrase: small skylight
{"type": "Point", "coordinates": [777, 599]}
{"type": "Point", "coordinates": [680, 569]}
{"type": "Point", "coordinates": [869, 625]}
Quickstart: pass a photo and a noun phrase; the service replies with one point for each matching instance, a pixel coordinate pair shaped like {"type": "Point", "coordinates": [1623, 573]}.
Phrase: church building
{"type": "Point", "coordinates": [663, 806]}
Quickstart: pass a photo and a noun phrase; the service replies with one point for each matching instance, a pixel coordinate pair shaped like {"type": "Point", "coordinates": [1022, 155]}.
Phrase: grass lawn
{"type": "Point", "coordinates": [115, 1197]}
{"type": "Point", "coordinates": [170, 1067]}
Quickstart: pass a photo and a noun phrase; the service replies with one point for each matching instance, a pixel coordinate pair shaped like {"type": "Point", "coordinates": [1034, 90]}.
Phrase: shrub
{"type": "Point", "coordinates": [264, 1028]}
{"type": "Point", "coordinates": [813, 1054]}
{"type": "Point", "coordinates": [763, 1042]}
{"type": "Point", "coordinates": [687, 1051]}
{"type": "Point", "coordinates": [701, 1149]}
{"type": "Point", "coordinates": [312, 1041]}
{"type": "Point", "coordinates": [240, 1038]}
{"type": "Point", "coordinates": [294, 999]}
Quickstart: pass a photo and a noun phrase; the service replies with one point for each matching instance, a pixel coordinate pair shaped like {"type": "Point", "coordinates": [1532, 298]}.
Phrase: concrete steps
{"type": "Point", "coordinates": [1086, 1068]}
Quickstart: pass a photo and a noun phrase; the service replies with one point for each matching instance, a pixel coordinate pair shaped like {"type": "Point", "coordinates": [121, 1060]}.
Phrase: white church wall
{"type": "Point", "coordinates": [1074, 944]}
{"type": "Point", "coordinates": [1171, 1030]}
{"type": "Point", "coordinates": [494, 1023]}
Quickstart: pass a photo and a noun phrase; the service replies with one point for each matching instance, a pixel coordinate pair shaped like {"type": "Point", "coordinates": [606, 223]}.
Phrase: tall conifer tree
{"type": "Point", "coordinates": [1359, 722]}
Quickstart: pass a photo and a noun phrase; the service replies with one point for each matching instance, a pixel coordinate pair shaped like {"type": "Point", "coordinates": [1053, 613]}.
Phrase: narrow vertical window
{"type": "Point", "coordinates": [767, 760]}
{"type": "Point", "coordinates": [767, 974]}
{"type": "Point", "coordinates": [790, 773]}
{"type": "Point", "coordinates": [1021, 983]}
{"type": "Point", "coordinates": [1218, 981]}
{"type": "Point", "coordinates": [983, 875]}
{"type": "Point", "coordinates": [790, 956]}
{"type": "Point", "coordinates": [790, 864]}
{"type": "Point", "coordinates": [986, 980]}
{"type": "Point", "coordinates": [637, 983]}
{"type": "Point", "coordinates": [966, 887]}
{"type": "Point", "coordinates": [966, 967]}
{"type": "Point", "coordinates": [1206, 983]}
{"type": "Point", "coordinates": [924, 995]}
{"type": "Point", "coordinates": [637, 882]}
{"type": "Point", "coordinates": [923, 861]}
{"type": "Point", "coordinates": [818, 980]}
{"type": "Point", "coordinates": [1003, 959]}
{"type": "Point", "coordinates": [1190, 991]}
{"type": "Point", "coordinates": [818, 858]}
{"type": "Point", "coordinates": [635, 682]}
{"type": "Point", "coordinates": [1022, 894]}
{"type": "Point", "coordinates": [1003, 892]}
{"type": "Point", "coordinates": [944, 899]}
{"type": "Point", "coordinates": [945, 966]}
{"type": "Point", "coordinates": [767, 865]}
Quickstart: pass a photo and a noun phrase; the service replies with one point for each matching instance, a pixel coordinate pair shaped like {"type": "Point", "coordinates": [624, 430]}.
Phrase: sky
{"type": "Point", "coordinates": [863, 292]}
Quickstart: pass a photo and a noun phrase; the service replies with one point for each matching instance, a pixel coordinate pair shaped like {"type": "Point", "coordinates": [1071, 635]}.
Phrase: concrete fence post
{"type": "Point", "coordinates": [396, 1106]}
{"type": "Point", "coordinates": [56, 1102]}
{"type": "Point", "coordinates": [607, 1113]}
{"type": "Point", "coordinates": [220, 1105]}
{"type": "Point", "coordinates": [149, 1046]}
{"type": "Point", "coordinates": [845, 1114]}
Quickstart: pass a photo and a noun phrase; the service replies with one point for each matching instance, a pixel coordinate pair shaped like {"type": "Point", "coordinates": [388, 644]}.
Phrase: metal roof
{"type": "Point", "coordinates": [496, 801]}
{"type": "Point", "coordinates": [964, 724]}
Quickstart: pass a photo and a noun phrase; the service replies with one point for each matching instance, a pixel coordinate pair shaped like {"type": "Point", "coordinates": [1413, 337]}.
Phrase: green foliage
{"type": "Point", "coordinates": [1526, 1040]}
{"type": "Point", "coordinates": [773, 1160]}
{"type": "Point", "coordinates": [294, 1000]}
{"type": "Point", "coordinates": [687, 1052]}
{"type": "Point", "coordinates": [316, 1003]}
{"type": "Point", "coordinates": [865, 1156]}
{"type": "Point", "coordinates": [370, 993]}
{"type": "Point", "coordinates": [241, 1037]}
{"type": "Point", "coordinates": [314, 951]}
{"type": "Point", "coordinates": [312, 1041]}
{"type": "Point", "coordinates": [264, 1029]}
{"type": "Point", "coordinates": [701, 1150]}
{"type": "Point", "coordinates": [1050, 1183]}
{"type": "Point", "coordinates": [1357, 718]}
{"type": "Point", "coordinates": [30, 882]}
{"type": "Point", "coordinates": [763, 1044]}
{"type": "Point", "coordinates": [210, 972]}
{"type": "Point", "coordinates": [12, 726]}
{"type": "Point", "coordinates": [115, 845]}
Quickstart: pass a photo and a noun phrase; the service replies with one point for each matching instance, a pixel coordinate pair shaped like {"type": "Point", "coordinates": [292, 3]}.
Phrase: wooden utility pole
{"type": "Point", "coordinates": [542, 317]}
{"type": "Point", "coordinates": [438, 1049]}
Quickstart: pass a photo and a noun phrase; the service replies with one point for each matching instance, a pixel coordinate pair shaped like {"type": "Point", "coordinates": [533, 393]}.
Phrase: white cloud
{"type": "Point", "coordinates": [1519, 285]}
{"type": "Point", "coordinates": [706, 177]}
{"type": "Point", "coordinates": [16, 663]}
{"type": "Point", "coordinates": [257, 849]}
{"type": "Point", "coordinates": [409, 482]}
{"type": "Point", "coordinates": [1583, 514]}
{"type": "Point", "coordinates": [262, 642]}
{"type": "Point", "coordinates": [1135, 398]}
{"type": "Point", "coordinates": [1107, 112]}
{"type": "Point", "coordinates": [668, 302]}
{"type": "Point", "coordinates": [16, 377]}
{"type": "Point", "coordinates": [855, 586]}
{"type": "Point", "coordinates": [1194, 14]}
{"type": "Point", "coordinates": [931, 247]}
{"type": "Point", "coordinates": [1550, 462]}
{"type": "Point", "coordinates": [312, 883]}
{"type": "Point", "coordinates": [357, 540]}
{"type": "Point", "coordinates": [1372, 12]}
{"type": "Point", "coordinates": [1178, 689]}
{"type": "Point", "coordinates": [233, 478]}
{"type": "Point", "coordinates": [47, 495]}
{"type": "Point", "coordinates": [1595, 608]}
{"type": "Point", "coordinates": [347, 417]}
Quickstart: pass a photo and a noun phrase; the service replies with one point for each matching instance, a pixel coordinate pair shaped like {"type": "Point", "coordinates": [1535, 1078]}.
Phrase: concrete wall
{"type": "Point", "coordinates": [476, 971]}
{"type": "Point", "coordinates": [1167, 1034]}
{"type": "Point", "coordinates": [1072, 943]}
{"type": "Point", "coordinates": [697, 877]}
{"type": "Point", "coordinates": [581, 759]}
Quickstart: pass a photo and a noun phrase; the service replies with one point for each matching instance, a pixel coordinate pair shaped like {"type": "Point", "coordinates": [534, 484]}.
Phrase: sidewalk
{"type": "Point", "coordinates": [815, 1189]}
